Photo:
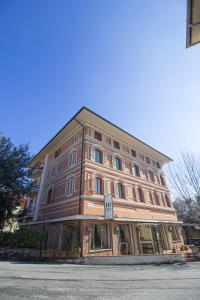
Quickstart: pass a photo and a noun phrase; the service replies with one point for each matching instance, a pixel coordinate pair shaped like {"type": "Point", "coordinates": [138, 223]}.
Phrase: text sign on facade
{"type": "Point", "coordinates": [108, 207]}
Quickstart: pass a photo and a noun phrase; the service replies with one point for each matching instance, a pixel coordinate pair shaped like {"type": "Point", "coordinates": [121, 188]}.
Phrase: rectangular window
{"type": "Point", "coordinates": [146, 239]}
{"type": "Point", "coordinates": [140, 195]}
{"type": "Point", "coordinates": [133, 153]}
{"type": "Point", "coordinates": [175, 233]}
{"type": "Point", "coordinates": [134, 193]}
{"type": "Point", "coordinates": [100, 237]}
{"type": "Point", "coordinates": [156, 197]}
{"type": "Point", "coordinates": [98, 185]}
{"type": "Point", "coordinates": [98, 156]}
{"type": "Point", "coordinates": [98, 136]}
{"type": "Point", "coordinates": [49, 196]}
{"type": "Point", "coordinates": [162, 180]}
{"type": "Point", "coordinates": [120, 189]}
{"type": "Point", "coordinates": [158, 165]}
{"type": "Point", "coordinates": [136, 170]}
{"type": "Point", "coordinates": [151, 176]}
{"type": "Point", "coordinates": [150, 197]}
{"type": "Point", "coordinates": [118, 164]}
{"type": "Point", "coordinates": [116, 145]}
{"type": "Point", "coordinates": [167, 201]}
{"type": "Point", "coordinates": [147, 159]}
{"type": "Point", "coordinates": [141, 156]}
{"type": "Point", "coordinates": [57, 153]}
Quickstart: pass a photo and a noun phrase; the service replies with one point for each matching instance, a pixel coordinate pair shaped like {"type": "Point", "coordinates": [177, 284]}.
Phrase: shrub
{"type": "Point", "coordinates": [21, 238]}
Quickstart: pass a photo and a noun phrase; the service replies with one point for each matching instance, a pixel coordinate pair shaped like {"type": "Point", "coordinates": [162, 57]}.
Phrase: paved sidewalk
{"type": "Point", "coordinates": [49, 281]}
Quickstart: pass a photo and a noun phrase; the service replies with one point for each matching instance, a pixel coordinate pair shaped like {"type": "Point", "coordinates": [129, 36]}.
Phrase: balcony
{"type": "Point", "coordinates": [27, 212]}
{"type": "Point", "coordinates": [37, 172]}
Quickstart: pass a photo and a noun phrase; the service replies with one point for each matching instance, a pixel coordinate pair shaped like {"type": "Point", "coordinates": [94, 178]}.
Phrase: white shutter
{"type": "Point", "coordinates": [92, 152]}
{"type": "Point", "coordinates": [133, 169]}
{"type": "Point", "coordinates": [105, 186]}
{"type": "Point", "coordinates": [89, 151]}
{"type": "Point", "coordinates": [137, 194]}
{"type": "Point", "coordinates": [126, 191]}
{"type": "Point", "coordinates": [123, 166]}
{"type": "Point", "coordinates": [113, 162]}
{"type": "Point", "coordinates": [161, 200]}
{"type": "Point", "coordinates": [104, 159]}
{"type": "Point", "coordinates": [116, 189]}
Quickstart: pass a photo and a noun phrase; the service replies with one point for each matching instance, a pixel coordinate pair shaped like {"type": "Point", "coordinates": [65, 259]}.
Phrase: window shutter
{"type": "Point", "coordinates": [104, 158]}
{"type": "Point", "coordinates": [123, 166]}
{"type": "Point", "coordinates": [133, 169]}
{"type": "Point", "coordinates": [112, 188]}
{"type": "Point", "coordinates": [126, 191]}
{"type": "Point", "coordinates": [105, 186]}
{"type": "Point", "coordinates": [113, 162]}
{"type": "Point", "coordinates": [89, 151]}
{"type": "Point", "coordinates": [142, 195]}
{"type": "Point", "coordinates": [92, 152]}
{"type": "Point", "coordinates": [116, 189]}
{"type": "Point", "coordinates": [134, 193]}
{"type": "Point", "coordinates": [102, 186]}
{"type": "Point", "coordinates": [137, 194]}
{"type": "Point", "coordinates": [90, 183]}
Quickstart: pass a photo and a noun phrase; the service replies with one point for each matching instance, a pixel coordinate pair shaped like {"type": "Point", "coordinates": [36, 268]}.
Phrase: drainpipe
{"type": "Point", "coordinates": [81, 179]}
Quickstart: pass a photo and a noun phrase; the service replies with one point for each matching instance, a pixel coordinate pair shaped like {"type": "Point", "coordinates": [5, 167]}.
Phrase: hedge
{"type": "Point", "coordinates": [21, 238]}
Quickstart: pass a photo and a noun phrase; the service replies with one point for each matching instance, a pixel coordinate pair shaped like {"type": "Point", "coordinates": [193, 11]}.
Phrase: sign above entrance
{"type": "Point", "coordinates": [108, 207]}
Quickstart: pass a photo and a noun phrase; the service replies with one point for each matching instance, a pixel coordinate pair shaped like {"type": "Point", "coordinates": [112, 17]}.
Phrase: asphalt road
{"type": "Point", "coordinates": [62, 281]}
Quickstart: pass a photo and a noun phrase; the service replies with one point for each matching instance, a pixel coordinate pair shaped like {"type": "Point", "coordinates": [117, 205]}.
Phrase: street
{"type": "Point", "coordinates": [64, 281]}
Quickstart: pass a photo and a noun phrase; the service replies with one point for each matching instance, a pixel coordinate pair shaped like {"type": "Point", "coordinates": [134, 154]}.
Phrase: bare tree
{"type": "Point", "coordinates": [185, 178]}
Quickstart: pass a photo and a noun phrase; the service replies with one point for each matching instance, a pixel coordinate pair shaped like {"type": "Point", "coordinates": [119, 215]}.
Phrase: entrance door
{"type": "Point", "coordinates": [124, 239]}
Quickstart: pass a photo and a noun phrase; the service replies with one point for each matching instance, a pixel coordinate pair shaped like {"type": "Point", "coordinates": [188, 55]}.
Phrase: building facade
{"type": "Point", "coordinates": [87, 159]}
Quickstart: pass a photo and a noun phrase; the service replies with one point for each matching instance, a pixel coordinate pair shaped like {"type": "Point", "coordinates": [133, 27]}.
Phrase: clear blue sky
{"type": "Point", "coordinates": [126, 60]}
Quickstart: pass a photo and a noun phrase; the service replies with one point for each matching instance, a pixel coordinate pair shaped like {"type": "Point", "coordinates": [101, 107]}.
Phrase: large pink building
{"type": "Point", "coordinates": [87, 159]}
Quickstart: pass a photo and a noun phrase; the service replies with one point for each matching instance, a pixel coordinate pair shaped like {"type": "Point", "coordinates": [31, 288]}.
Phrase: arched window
{"type": "Point", "coordinates": [136, 170]}
{"type": "Point", "coordinates": [120, 190]}
{"type": "Point", "coordinates": [118, 164]}
{"type": "Point", "coordinates": [72, 159]}
{"type": "Point", "coordinates": [69, 187]}
{"type": "Point", "coordinates": [53, 170]}
{"type": "Point", "coordinates": [98, 156]}
{"type": "Point", "coordinates": [98, 186]}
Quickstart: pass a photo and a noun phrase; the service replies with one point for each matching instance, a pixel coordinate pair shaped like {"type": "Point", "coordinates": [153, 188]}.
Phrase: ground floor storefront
{"type": "Point", "coordinates": [111, 238]}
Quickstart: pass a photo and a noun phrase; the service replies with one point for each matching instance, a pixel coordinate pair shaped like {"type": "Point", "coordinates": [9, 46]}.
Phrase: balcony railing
{"type": "Point", "coordinates": [27, 212]}
{"type": "Point", "coordinates": [37, 172]}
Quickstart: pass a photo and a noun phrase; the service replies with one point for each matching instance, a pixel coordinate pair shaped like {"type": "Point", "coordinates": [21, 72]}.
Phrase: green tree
{"type": "Point", "coordinates": [14, 177]}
